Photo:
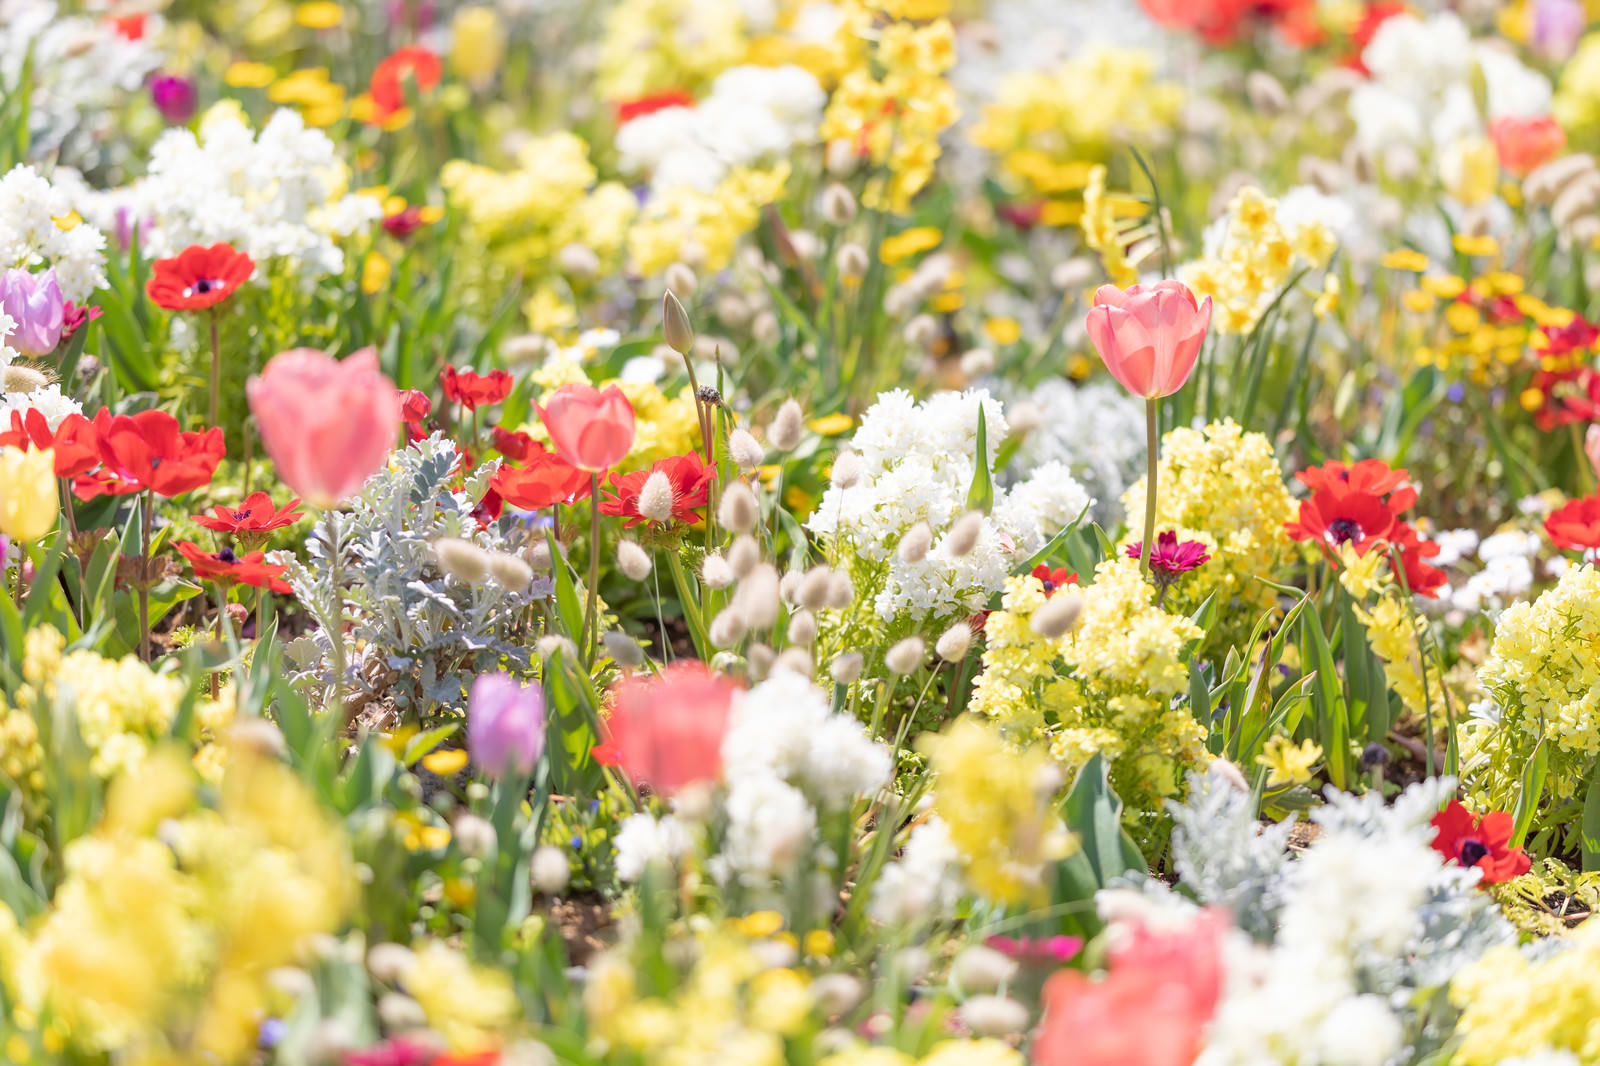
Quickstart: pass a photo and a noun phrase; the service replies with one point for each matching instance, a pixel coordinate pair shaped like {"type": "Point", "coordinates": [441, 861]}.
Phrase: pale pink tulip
{"type": "Point", "coordinates": [1149, 336]}
{"type": "Point", "coordinates": [591, 428]}
{"type": "Point", "coordinates": [327, 424]}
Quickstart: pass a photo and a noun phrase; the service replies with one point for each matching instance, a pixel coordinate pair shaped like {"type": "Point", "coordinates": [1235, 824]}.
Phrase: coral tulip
{"type": "Point", "coordinates": [328, 424]}
{"type": "Point", "coordinates": [36, 308]}
{"type": "Point", "coordinates": [1149, 336]}
{"type": "Point", "coordinates": [505, 726]}
{"type": "Point", "coordinates": [591, 428]}
{"type": "Point", "coordinates": [668, 729]}
{"type": "Point", "coordinates": [1525, 144]}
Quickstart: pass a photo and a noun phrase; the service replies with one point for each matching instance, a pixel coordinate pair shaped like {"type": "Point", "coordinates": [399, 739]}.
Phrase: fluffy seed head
{"type": "Point", "coordinates": [623, 649]}
{"type": "Point", "coordinates": [462, 560]}
{"type": "Point", "coordinates": [905, 656]}
{"type": "Point", "coordinates": [511, 572]}
{"type": "Point", "coordinates": [841, 591]}
{"type": "Point", "coordinates": [760, 657]}
{"type": "Point", "coordinates": [846, 470]}
{"type": "Point", "coordinates": [655, 498]}
{"type": "Point", "coordinates": [474, 835]}
{"type": "Point", "coordinates": [539, 556]}
{"type": "Point", "coordinates": [794, 660]}
{"type": "Point", "coordinates": [743, 555]}
{"type": "Point", "coordinates": [633, 560]}
{"type": "Point", "coordinates": [551, 871]}
{"type": "Point", "coordinates": [915, 544]}
{"type": "Point", "coordinates": [579, 260]}
{"type": "Point", "coordinates": [852, 260]}
{"type": "Point", "coordinates": [738, 510]}
{"type": "Point", "coordinates": [716, 573]}
{"type": "Point", "coordinates": [802, 628]}
{"type": "Point", "coordinates": [1057, 617]}
{"type": "Point", "coordinates": [757, 596]}
{"type": "Point", "coordinates": [728, 627]}
{"type": "Point", "coordinates": [745, 449]}
{"type": "Point", "coordinates": [954, 642]}
{"type": "Point", "coordinates": [977, 362]}
{"type": "Point", "coordinates": [963, 536]}
{"type": "Point", "coordinates": [846, 668]}
{"type": "Point", "coordinates": [680, 278]}
{"type": "Point", "coordinates": [982, 969]}
{"type": "Point", "coordinates": [994, 1016]}
{"type": "Point", "coordinates": [838, 205]}
{"type": "Point", "coordinates": [813, 591]}
{"type": "Point", "coordinates": [22, 379]}
{"type": "Point", "coordinates": [784, 433]}
{"type": "Point", "coordinates": [555, 644]}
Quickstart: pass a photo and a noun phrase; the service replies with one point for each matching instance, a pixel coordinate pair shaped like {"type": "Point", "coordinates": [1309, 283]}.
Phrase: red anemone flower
{"type": "Point", "coordinates": [77, 447]}
{"type": "Point", "coordinates": [1577, 525]}
{"type": "Point", "coordinates": [387, 87]}
{"type": "Point", "coordinates": [255, 514]}
{"type": "Point", "coordinates": [472, 390]}
{"type": "Point", "coordinates": [514, 444]}
{"type": "Point", "coordinates": [198, 277]}
{"type": "Point", "coordinates": [544, 480]}
{"type": "Point", "coordinates": [1054, 580]}
{"type": "Point", "coordinates": [1579, 335]}
{"type": "Point", "coordinates": [148, 451]}
{"type": "Point", "coordinates": [689, 475]}
{"type": "Point", "coordinates": [227, 569]}
{"type": "Point", "coordinates": [629, 110]}
{"type": "Point", "coordinates": [1333, 520]}
{"type": "Point", "coordinates": [405, 222]}
{"type": "Point", "coordinates": [1479, 842]}
{"type": "Point", "coordinates": [1371, 476]}
{"type": "Point", "coordinates": [1421, 578]}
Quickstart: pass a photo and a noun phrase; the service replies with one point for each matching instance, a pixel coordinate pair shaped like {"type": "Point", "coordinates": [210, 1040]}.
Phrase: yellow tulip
{"type": "Point", "coordinates": [478, 45]}
{"type": "Point", "coordinates": [28, 501]}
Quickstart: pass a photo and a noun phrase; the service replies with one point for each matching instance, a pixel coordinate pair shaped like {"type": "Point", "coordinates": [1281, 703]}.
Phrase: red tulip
{"type": "Point", "coordinates": [415, 405]}
{"type": "Point", "coordinates": [1525, 144]}
{"type": "Point", "coordinates": [668, 729]}
{"type": "Point", "coordinates": [591, 428]}
{"type": "Point", "coordinates": [1150, 336]}
{"type": "Point", "coordinates": [1152, 1007]}
{"type": "Point", "coordinates": [148, 451]}
{"type": "Point", "coordinates": [327, 424]}
{"type": "Point", "coordinates": [198, 277]}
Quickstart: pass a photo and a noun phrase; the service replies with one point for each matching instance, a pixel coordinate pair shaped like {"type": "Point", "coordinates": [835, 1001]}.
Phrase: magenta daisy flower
{"type": "Point", "coordinates": [1171, 558]}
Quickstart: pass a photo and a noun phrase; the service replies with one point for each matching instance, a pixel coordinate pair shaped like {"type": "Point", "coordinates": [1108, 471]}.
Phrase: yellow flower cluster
{"type": "Point", "coordinates": [1253, 260]}
{"type": "Point", "coordinates": [980, 1052]}
{"type": "Point", "coordinates": [1513, 1006]}
{"type": "Point", "coordinates": [1050, 127]}
{"type": "Point", "coordinates": [120, 708]}
{"type": "Point", "coordinates": [893, 101]}
{"type": "Point", "coordinates": [159, 941]}
{"type": "Point", "coordinates": [997, 802]}
{"type": "Point", "coordinates": [523, 218]}
{"type": "Point", "coordinates": [467, 1004]}
{"type": "Point", "coordinates": [1543, 674]}
{"type": "Point", "coordinates": [1222, 486]}
{"type": "Point", "coordinates": [1577, 100]}
{"type": "Point", "coordinates": [702, 228]}
{"type": "Point", "coordinates": [653, 46]}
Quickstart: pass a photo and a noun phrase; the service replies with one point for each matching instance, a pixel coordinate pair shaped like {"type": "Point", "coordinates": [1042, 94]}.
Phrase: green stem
{"type": "Point", "coordinates": [1586, 476]}
{"type": "Point", "coordinates": [336, 635]}
{"type": "Point", "coordinates": [591, 626]}
{"type": "Point", "coordinates": [1152, 421]}
{"type": "Point", "coordinates": [216, 369]}
{"type": "Point", "coordinates": [144, 578]}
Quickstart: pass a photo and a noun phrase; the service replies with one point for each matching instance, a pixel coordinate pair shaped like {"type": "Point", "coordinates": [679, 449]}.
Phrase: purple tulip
{"type": "Point", "coordinates": [505, 726]}
{"type": "Point", "coordinates": [175, 97]}
{"type": "Point", "coordinates": [1557, 25]}
{"type": "Point", "coordinates": [36, 306]}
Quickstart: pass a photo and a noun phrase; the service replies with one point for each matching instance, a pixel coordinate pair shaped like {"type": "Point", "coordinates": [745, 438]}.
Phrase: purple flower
{"type": "Point", "coordinates": [505, 726]}
{"type": "Point", "coordinates": [1557, 25]}
{"type": "Point", "coordinates": [175, 97]}
{"type": "Point", "coordinates": [36, 306]}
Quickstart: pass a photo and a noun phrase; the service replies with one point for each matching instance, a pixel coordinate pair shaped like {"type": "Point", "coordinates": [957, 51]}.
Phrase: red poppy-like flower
{"type": "Point", "coordinates": [414, 405]}
{"type": "Point", "coordinates": [255, 514]}
{"type": "Point", "coordinates": [1053, 580]}
{"type": "Point", "coordinates": [129, 27]}
{"type": "Point", "coordinates": [1421, 578]}
{"type": "Point", "coordinates": [1577, 525]}
{"type": "Point", "coordinates": [1371, 476]}
{"type": "Point", "coordinates": [1479, 842]}
{"type": "Point", "coordinates": [628, 110]}
{"type": "Point", "coordinates": [689, 475]}
{"type": "Point", "coordinates": [227, 569]}
{"type": "Point", "coordinates": [472, 390]}
{"type": "Point", "coordinates": [544, 480]}
{"type": "Point", "coordinates": [198, 277]}
{"type": "Point", "coordinates": [74, 317]}
{"type": "Point", "coordinates": [1335, 519]}
{"type": "Point", "coordinates": [1222, 21]}
{"type": "Point", "coordinates": [1171, 556]}
{"type": "Point", "coordinates": [77, 447]}
{"type": "Point", "coordinates": [1558, 342]}
{"type": "Point", "coordinates": [388, 88]}
{"type": "Point", "coordinates": [514, 444]}
{"type": "Point", "coordinates": [1567, 396]}
{"type": "Point", "coordinates": [148, 451]}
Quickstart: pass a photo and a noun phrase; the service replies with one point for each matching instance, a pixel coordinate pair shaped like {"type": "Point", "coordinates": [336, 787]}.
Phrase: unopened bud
{"type": "Point", "coordinates": [745, 449]}
{"type": "Point", "coordinates": [846, 668]}
{"type": "Point", "coordinates": [623, 649]}
{"type": "Point", "coordinates": [511, 572]}
{"type": "Point", "coordinates": [905, 656]}
{"type": "Point", "coordinates": [738, 511]}
{"type": "Point", "coordinates": [656, 498]}
{"type": "Point", "coordinates": [838, 205]}
{"type": "Point", "coordinates": [743, 555]}
{"type": "Point", "coordinates": [846, 470]}
{"type": "Point", "coordinates": [633, 560]}
{"type": "Point", "coordinates": [915, 544]}
{"type": "Point", "coordinates": [1058, 615]}
{"type": "Point", "coordinates": [462, 560]}
{"type": "Point", "coordinates": [963, 536]}
{"type": "Point", "coordinates": [784, 433]}
{"type": "Point", "coordinates": [954, 642]}
{"type": "Point", "coordinates": [715, 572]}
{"type": "Point", "coordinates": [802, 628]}
{"type": "Point", "coordinates": [675, 325]}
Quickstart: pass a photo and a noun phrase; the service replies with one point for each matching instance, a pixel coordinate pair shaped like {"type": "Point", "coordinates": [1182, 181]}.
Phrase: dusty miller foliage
{"type": "Point", "coordinates": [413, 635]}
{"type": "Point", "coordinates": [1226, 857]}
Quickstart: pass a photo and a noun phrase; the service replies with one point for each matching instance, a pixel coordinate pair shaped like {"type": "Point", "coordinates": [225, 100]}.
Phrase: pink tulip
{"type": "Point", "coordinates": [1149, 336]}
{"type": "Point", "coordinates": [328, 424]}
{"type": "Point", "coordinates": [1152, 1007]}
{"type": "Point", "coordinates": [591, 428]}
{"type": "Point", "coordinates": [668, 729]}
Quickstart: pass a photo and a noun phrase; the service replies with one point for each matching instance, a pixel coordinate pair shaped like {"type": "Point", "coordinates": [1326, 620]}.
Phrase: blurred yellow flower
{"type": "Point", "coordinates": [478, 44]}
{"type": "Point", "coordinates": [247, 75]}
{"type": "Point", "coordinates": [319, 14]}
{"type": "Point", "coordinates": [375, 271]}
{"type": "Point", "coordinates": [29, 502]}
{"type": "Point", "coordinates": [908, 243]}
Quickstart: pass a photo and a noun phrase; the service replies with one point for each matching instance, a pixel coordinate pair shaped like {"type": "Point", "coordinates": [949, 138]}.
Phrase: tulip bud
{"type": "Point", "coordinates": [915, 544]}
{"type": "Point", "coordinates": [728, 627]}
{"type": "Point", "coordinates": [29, 500]}
{"type": "Point", "coordinates": [784, 433]}
{"type": "Point", "coordinates": [477, 45]}
{"type": "Point", "coordinates": [963, 536]}
{"type": "Point", "coordinates": [738, 511]}
{"type": "Point", "coordinates": [675, 325]}
{"type": "Point", "coordinates": [505, 726]}
{"type": "Point", "coordinates": [1058, 615]}
{"type": "Point", "coordinates": [743, 555]}
{"type": "Point", "coordinates": [716, 573]}
{"type": "Point", "coordinates": [846, 470]}
{"type": "Point", "coordinates": [623, 649]}
{"type": "Point", "coordinates": [744, 448]}
{"type": "Point", "coordinates": [511, 572]}
{"type": "Point", "coordinates": [847, 667]}
{"type": "Point", "coordinates": [633, 561]}
{"type": "Point", "coordinates": [462, 560]}
{"type": "Point", "coordinates": [802, 628]}
{"type": "Point", "coordinates": [905, 656]}
{"type": "Point", "coordinates": [953, 644]}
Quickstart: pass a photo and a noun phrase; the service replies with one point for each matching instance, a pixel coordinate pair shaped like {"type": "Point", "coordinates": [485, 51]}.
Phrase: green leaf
{"type": "Point", "coordinates": [1591, 821]}
{"type": "Point", "coordinates": [1057, 543]}
{"type": "Point", "coordinates": [1094, 811]}
{"type": "Point", "coordinates": [980, 497]}
{"type": "Point", "coordinates": [1533, 791]}
{"type": "Point", "coordinates": [1333, 716]}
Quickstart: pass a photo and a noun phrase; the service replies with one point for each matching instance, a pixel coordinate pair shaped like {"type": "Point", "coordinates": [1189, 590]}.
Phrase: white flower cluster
{"type": "Point", "coordinates": [1096, 431]}
{"type": "Point", "coordinates": [48, 401]}
{"type": "Point", "coordinates": [277, 195]}
{"type": "Point", "coordinates": [752, 113]}
{"type": "Point", "coordinates": [643, 840]}
{"type": "Point", "coordinates": [1506, 575]}
{"type": "Point", "coordinates": [1357, 933]}
{"type": "Point", "coordinates": [924, 883]}
{"type": "Point", "coordinates": [8, 354]}
{"type": "Point", "coordinates": [38, 231]}
{"type": "Point", "coordinates": [786, 755]}
{"type": "Point", "coordinates": [82, 68]}
{"type": "Point", "coordinates": [917, 465]}
{"type": "Point", "coordinates": [1421, 88]}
